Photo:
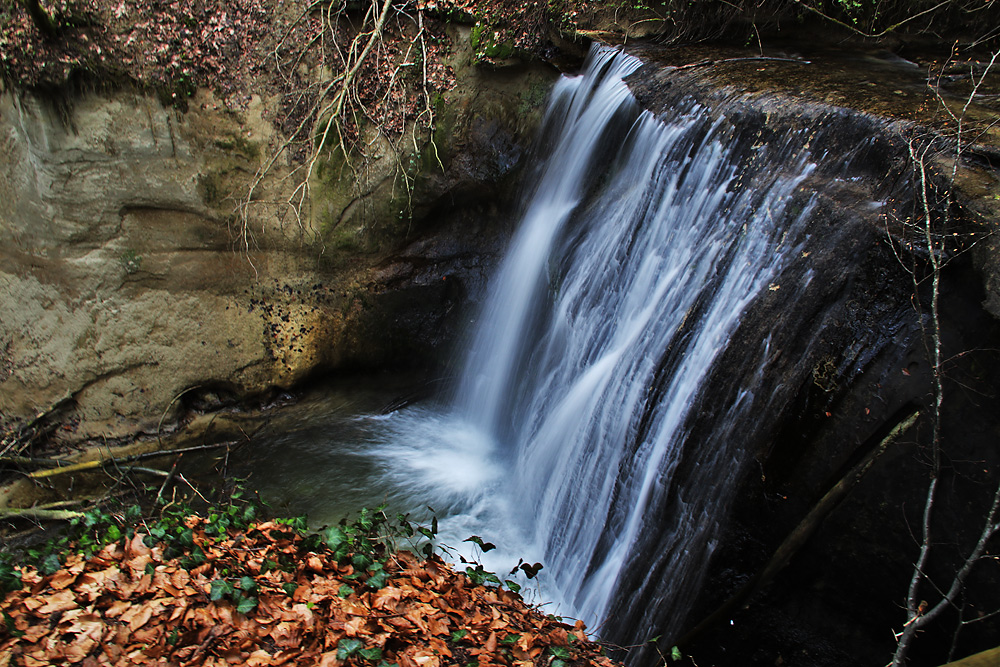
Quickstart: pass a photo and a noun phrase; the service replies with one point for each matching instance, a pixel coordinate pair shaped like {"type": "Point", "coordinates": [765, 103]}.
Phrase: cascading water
{"type": "Point", "coordinates": [641, 246]}
{"type": "Point", "coordinates": [570, 439]}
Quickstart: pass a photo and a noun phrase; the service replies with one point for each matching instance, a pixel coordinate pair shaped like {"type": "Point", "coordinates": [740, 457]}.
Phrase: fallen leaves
{"type": "Point", "coordinates": [128, 605]}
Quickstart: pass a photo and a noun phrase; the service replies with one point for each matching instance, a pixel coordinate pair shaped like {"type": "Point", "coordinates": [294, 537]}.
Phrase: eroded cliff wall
{"type": "Point", "coordinates": [129, 287]}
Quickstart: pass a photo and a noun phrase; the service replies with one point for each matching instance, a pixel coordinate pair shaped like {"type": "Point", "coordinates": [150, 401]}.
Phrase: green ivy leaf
{"type": "Point", "coordinates": [220, 589]}
{"type": "Point", "coordinates": [50, 565]}
{"type": "Point", "coordinates": [348, 647]}
{"type": "Point", "coordinates": [10, 578]}
{"type": "Point", "coordinates": [247, 584]}
{"type": "Point", "coordinates": [11, 628]}
{"type": "Point", "coordinates": [531, 571]}
{"type": "Point", "coordinates": [485, 546]}
{"type": "Point", "coordinates": [374, 653]}
{"type": "Point", "coordinates": [334, 537]}
{"type": "Point", "coordinates": [378, 579]}
{"type": "Point", "coordinates": [246, 605]}
{"type": "Point", "coordinates": [345, 591]}
{"type": "Point", "coordinates": [561, 652]}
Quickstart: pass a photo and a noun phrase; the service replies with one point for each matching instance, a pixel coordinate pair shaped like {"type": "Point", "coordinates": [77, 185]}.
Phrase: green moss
{"type": "Point", "coordinates": [131, 261]}
{"type": "Point", "coordinates": [485, 44]}
{"type": "Point", "coordinates": [533, 98]}
{"type": "Point", "coordinates": [219, 180]}
{"type": "Point", "coordinates": [344, 239]}
{"type": "Point", "coordinates": [237, 143]}
{"type": "Point", "coordinates": [211, 189]}
{"type": "Point", "coordinates": [499, 51]}
{"type": "Point", "coordinates": [476, 36]}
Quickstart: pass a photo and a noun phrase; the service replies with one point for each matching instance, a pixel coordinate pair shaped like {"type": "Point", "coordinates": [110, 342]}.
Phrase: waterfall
{"type": "Point", "coordinates": [642, 244]}
{"type": "Point", "coordinates": [673, 287]}
{"type": "Point", "coordinates": [661, 305]}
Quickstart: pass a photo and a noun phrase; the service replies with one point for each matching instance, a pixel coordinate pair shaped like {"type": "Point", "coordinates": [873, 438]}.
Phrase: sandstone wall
{"type": "Point", "coordinates": [124, 283]}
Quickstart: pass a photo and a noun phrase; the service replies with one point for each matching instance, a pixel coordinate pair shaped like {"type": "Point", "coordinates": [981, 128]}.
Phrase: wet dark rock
{"type": "Point", "coordinates": [843, 333]}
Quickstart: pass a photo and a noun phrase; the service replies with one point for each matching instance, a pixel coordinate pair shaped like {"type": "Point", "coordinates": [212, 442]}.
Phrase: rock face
{"type": "Point", "coordinates": [124, 292]}
{"type": "Point", "coordinates": [116, 274]}
{"type": "Point", "coordinates": [844, 337]}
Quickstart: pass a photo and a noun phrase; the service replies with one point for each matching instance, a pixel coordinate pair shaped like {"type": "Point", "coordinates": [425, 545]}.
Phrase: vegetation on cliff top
{"type": "Point", "coordinates": [230, 45]}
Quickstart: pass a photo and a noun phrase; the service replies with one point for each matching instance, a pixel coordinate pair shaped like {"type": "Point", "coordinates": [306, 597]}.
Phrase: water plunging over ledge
{"type": "Point", "coordinates": [642, 244]}
{"type": "Point", "coordinates": [640, 247]}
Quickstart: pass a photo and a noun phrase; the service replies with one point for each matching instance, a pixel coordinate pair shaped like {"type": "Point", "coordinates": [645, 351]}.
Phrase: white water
{"type": "Point", "coordinates": [604, 320]}
{"type": "Point", "coordinates": [639, 249]}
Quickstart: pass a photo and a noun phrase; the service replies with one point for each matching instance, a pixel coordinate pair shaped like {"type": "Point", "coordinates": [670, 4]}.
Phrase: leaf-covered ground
{"type": "Point", "coordinates": [268, 595]}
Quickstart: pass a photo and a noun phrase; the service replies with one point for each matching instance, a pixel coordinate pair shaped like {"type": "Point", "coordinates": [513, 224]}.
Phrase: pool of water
{"type": "Point", "coordinates": [345, 447]}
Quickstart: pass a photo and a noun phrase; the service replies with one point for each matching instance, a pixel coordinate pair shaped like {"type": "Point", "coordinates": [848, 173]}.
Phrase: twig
{"type": "Point", "coordinates": [156, 472]}
{"type": "Point", "coordinates": [93, 465]}
{"type": "Point", "coordinates": [163, 416]}
{"type": "Point", "coordinates": [916, 620]}
{"type": "Point", "coordinates": [870, 34]}
{"type": "Point", "coordinates": [191, 486]}
{"type": "Point", "coordinates": [39, 514]}
{"type": "Point", "coordinates": [170, 476]}
{"type": "Point", "coordinates": [32, 461]}
{"type": "Point", "coordinates": [918, 614]}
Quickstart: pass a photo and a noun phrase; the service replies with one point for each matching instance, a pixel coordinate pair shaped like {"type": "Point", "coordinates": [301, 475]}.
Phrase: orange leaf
{"type": "Point", "coordinates": [62, 579]}
{"type": "Point", "coordinates": [62, 601]}
{"type": "Point", "coordinates": [329, 659]}
{"type": "Point", "coordinates": [303, 592]}
{"type": "Point", "coordinates": [438, 625]}
{"type": "Point", "coordinates": [117, 608]}
{"type": "Point", "coordinates": [137, 616]}
{"type": "Point", "coordinates": [426, 658]}
{"type": "Point", "coordinates": [355, 626]}
{"type": "Point", "coordinates": [387, 598]}
{"type": "Point", "coordinates": [258, 658]}
{"type": "Point", "coordinates": [136, 546]}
